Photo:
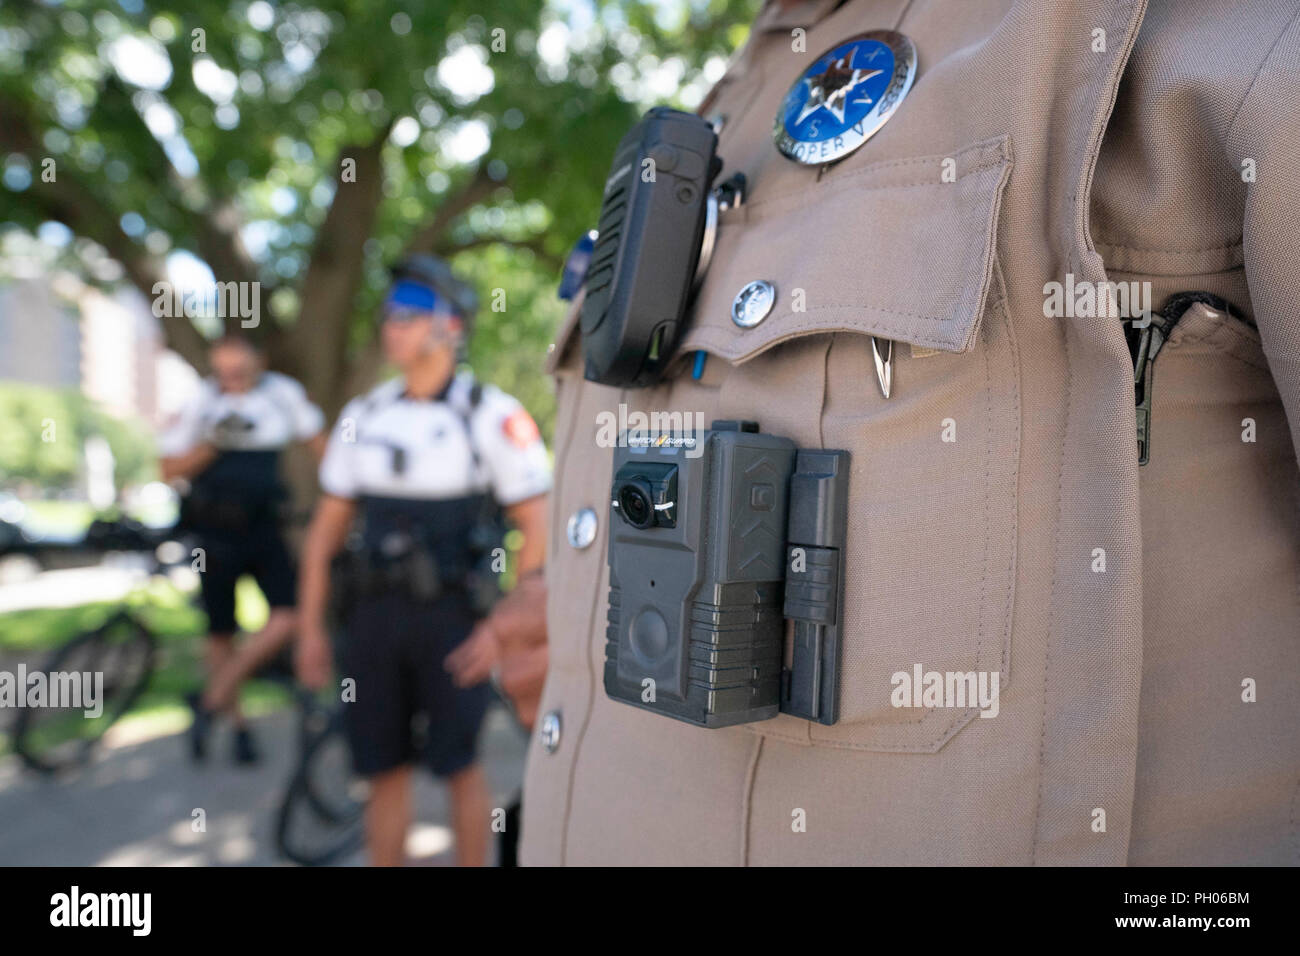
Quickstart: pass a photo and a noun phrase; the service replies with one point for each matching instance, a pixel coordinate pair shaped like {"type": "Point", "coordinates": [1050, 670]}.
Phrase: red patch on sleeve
{"type": "Point", "coordinates": [520, 428]}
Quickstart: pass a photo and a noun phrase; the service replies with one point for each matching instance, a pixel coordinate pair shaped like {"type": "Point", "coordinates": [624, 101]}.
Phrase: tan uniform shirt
{"type": "Point", "coordinates": [1144, 623]}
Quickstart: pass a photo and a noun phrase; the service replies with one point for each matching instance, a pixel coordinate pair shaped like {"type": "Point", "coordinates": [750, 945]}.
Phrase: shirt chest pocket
{"type": "Point", "coordinates": [906, 252]}
{"type": "Point", "coordinates": [902, 252]}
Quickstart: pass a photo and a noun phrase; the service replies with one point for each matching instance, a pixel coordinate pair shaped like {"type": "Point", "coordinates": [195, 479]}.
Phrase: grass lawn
{"type": "Point", "coordinates": [60, 517]}
{"type": "Point", "coordinates": [179, 625]}
{"type": "Point", "coordinates": [72, 518]}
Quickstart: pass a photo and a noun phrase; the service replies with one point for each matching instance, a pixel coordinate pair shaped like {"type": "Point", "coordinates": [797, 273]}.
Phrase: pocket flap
{"type": "Point", "coordinates": [901, 249]}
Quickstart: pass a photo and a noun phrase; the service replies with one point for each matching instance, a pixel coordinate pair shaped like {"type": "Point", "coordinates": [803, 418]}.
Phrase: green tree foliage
{"type": "Point", "coordinates": [43, 433]}
{"type": "Point", "coordinates": [480, 131]}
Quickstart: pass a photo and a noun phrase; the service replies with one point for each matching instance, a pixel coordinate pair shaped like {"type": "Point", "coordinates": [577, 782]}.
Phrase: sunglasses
{"type": "Point", "coordinates": [404, 314]}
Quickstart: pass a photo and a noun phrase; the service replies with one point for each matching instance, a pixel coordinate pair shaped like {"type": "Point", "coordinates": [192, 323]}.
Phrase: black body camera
{"type": "Point", "coordinates": [652, 223]}
{"type": "Point", "coordinates": [714, 540]}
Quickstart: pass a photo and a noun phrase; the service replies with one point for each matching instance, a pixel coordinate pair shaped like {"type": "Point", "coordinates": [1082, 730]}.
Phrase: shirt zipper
{"type": "Point", "coordinates": [1146, 337]}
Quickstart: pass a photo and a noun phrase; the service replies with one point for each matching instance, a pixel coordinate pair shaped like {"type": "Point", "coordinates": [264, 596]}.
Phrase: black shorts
{"type": "Point", "coordinates": [394, 648]}
{"type": "Point", "coordinates": [263, 554]}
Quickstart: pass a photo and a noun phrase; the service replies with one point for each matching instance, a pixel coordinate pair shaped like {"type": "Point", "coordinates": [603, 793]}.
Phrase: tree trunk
{"type": "Point", "coordinates": [315, 349]}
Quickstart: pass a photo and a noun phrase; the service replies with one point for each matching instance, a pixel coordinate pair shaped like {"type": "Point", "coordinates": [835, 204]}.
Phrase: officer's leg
{"type": "Point", "coordinates": [388, 816]}
{"type": "Point", "coordinates": [470, 811]}
{"type": "Point", "coordinates": [242, 662]}
{"type": "Point", "coordinates": [221, 569]}
{"type": "Point", "coordinates": [273, 570]}
{"type": "Point", "coordinates": [378, 721]}
{"type": "Point", "coordinates": [455, 716]}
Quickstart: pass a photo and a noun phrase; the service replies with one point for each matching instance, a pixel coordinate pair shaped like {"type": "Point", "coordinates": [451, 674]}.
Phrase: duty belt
{"type": "Point", "coordinates": [413, 574]}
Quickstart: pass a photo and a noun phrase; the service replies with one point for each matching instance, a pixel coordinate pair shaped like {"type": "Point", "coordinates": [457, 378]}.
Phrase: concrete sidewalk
{"type": "Point", "coordinates": [133, 805]}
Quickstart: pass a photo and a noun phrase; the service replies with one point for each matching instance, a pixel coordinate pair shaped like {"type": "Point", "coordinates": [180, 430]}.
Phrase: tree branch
{"type": "Point", "coordinates": [72, 202]}
{"type": "Point", "coordinates": [215, 225]}
{"type": "Point", "coordinates": [334, 276]}
{"type": "Point", "coordinates": [535, 243]}
{"type": "Point", "coordinates": [479, 188]}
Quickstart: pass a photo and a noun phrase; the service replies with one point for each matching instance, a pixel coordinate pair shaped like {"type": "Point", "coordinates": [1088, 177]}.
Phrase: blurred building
{"type": "Point", "coordinates": [40, 335]}
{"type": "Point", "coordinates": [120, 347]}
{"type": "Point", "coordinates": [64, 334]}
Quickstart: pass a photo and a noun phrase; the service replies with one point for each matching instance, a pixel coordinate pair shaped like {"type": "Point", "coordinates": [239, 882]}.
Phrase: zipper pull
{"type": "Point", "coordinates": [1150, 339]}
{"type": "Point", "coordinates": [1145, 344]}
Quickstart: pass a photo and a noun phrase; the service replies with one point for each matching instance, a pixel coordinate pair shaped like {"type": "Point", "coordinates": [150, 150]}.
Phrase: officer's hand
{"type": "Point", "coordinates": [518, 625]}
{"type": "Point", "coordinates": [313, 657]}
{"type": "Point", "coordinates": [521, 675]}
{"type": "Point", "coordinates": [473, 659]}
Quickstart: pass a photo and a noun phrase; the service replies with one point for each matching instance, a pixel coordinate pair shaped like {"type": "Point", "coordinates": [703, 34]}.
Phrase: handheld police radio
{"type": "Point", "coordinates": [715, 540]}
{"type": "Point", "coordinates": [648, 247]}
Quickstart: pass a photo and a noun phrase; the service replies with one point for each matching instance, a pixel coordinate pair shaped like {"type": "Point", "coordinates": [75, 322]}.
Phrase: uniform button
{"type": "Point", "coordinates": [550, 731]}
{"type": "Point", "coordinates": [581, 529]}
{"type": "Point", "coordinates": [753, 303]}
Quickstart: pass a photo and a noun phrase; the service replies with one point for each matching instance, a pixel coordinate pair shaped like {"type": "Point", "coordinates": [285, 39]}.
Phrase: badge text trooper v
{"type": "Point", "coordinates": [844, 97]}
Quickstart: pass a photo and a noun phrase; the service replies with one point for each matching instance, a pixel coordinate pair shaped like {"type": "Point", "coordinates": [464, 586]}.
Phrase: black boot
{"type": "Point", "coordinates": [245, 749]}
{"type": "Point", "coordinates": [200, 725]}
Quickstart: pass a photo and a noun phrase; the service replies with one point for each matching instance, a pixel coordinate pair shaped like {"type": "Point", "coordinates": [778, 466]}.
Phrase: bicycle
{"type": "Point", "coordinates": [319, 820]}
{"type": "Point", "coordinates": [53, 739]}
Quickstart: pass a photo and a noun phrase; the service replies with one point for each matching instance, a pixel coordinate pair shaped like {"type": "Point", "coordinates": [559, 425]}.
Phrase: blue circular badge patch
{"type": "Point", "coordinates": [844, 97]}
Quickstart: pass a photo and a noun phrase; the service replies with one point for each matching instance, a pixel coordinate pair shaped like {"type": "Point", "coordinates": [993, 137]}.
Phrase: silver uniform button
{"type": "Point", "coordinates": [550, 731]}
{"type": "Point", "coordinates": [581, 529]}
{"type": "Point", "coordinates": [753, 303]}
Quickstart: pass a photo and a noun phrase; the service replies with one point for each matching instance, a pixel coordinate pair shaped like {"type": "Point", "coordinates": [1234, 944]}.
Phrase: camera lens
{"type": "Point", "coordinates": [635, 504]}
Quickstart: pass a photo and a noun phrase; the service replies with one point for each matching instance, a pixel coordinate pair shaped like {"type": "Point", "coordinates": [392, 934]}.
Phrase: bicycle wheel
{"type": "Point", "coordinates": [319, 820]}
{"type": "Point", "coordinates": [118, 655]}
{"type": "Point", "coordinates": [334, 789]}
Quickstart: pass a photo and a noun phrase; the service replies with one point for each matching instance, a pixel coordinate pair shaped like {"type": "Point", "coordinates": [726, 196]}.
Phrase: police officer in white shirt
{"type": "Point", "coordinates": [226, 445]}
{"type": "Point", "coordinates": [420, 462]}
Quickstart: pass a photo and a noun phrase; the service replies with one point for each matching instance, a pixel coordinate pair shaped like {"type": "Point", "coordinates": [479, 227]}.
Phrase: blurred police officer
{"type": "Point", "coordinates": [421, 461]}
{"type": "Point", "coordinates": [226, 445]}
{"type": "Point", "coordinates": [924, 179]}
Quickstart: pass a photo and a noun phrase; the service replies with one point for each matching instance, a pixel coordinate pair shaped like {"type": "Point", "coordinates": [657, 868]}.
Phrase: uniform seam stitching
{"type": "Point", "coordinates": [1250, 90]}
{"type": "Point", "coordinates": [1124, 247]}
{"type": "Point", "coordinates": [907, 8]}
{"type": "Point", "coordinates": [1052, 623]}
{"type": "Point", "coordinates": [1295, 796]}
{"type": "Point", "coordinates": [744, 65]}
{"type": "Point", "coordinates": [746, 817]}
{"type": "Point", "coordinates": [582, 733]}
{"type": "Point", "coordinates": [871, 308]}
{"type": "Point", "coordinates": [1295, 829]}
{"type": "Point", "coordinates": [1081, 199]}
{"type": "Point", "coordinates": [826, 378]}
{"type": "Point", "coordinates": [591, 681]}
{"type": "Point", "coordinates": [795, 199]}
{"type": "Point", "coordinates": [778, 735]}
{"type": "Point", "coordinates": [1221, 348]}
{"type": "Point", "coordinates": [1008, 610]}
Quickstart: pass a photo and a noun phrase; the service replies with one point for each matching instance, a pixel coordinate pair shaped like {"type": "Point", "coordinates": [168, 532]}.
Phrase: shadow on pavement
{"type": "Point", "coordinates": [134, 804]}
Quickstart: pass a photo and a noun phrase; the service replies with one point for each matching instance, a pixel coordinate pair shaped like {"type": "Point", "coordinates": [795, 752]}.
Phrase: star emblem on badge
{"type": "Point", "coordinates": [830, 88]}
{"type": "Point", "coordinates": [857, 97]}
